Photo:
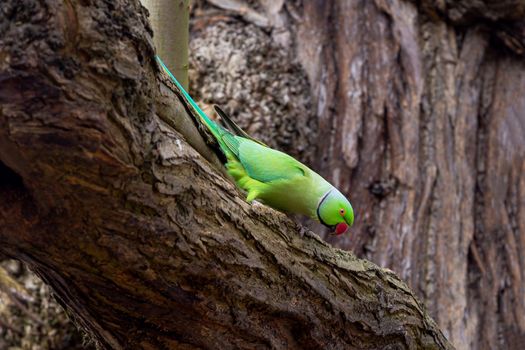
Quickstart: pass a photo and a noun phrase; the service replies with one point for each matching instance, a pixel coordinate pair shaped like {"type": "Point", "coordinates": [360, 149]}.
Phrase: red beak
{"type": "Point", "coordinates": [341, 228]}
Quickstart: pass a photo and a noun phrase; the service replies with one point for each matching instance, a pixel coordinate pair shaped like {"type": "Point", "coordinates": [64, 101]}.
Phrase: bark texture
{"type": "Point", "coordinates": [419, 117]}
{"type": "Point", "coordinates": [142, 240]}
{"type": "Point", "coordinates": [429, 142]}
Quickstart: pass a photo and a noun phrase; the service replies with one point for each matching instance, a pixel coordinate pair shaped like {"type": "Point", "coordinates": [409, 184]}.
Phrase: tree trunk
{"type": "Point", "coordinates": [143, 241]}
{"type": "Point", "coordinates": [170, 22]}
{"type": "Point", "coordinates": [418, 117]}
{"type": "Point", "coordinates": [429, 143]}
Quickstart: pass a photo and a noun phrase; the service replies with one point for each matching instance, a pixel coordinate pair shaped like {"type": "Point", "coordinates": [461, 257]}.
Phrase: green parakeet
{"type": "Point", "coordinates": [273, 177]}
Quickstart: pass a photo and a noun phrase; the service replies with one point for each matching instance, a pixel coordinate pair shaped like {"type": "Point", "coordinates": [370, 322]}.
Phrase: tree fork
{"type": "Point", "coordinates": [139, 237]}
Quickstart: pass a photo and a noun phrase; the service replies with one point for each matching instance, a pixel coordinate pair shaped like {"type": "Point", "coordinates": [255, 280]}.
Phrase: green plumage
{"type": "Point", "coordinates": [274, 177]}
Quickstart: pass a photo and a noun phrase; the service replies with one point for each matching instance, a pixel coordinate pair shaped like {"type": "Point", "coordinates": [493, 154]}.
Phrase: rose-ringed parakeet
{"type": "Point", "coordinates": [273, 177]}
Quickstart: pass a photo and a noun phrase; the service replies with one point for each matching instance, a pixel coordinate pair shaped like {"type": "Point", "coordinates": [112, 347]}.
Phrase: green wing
{"type": "Point", "coordinates": [232, 143]}
{"type": "Point", "coordinates": [260, 162]}
{"type": "Point", "coordinates": [265, 164]}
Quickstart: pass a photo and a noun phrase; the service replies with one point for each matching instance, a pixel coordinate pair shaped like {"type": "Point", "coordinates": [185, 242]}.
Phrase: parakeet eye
{"type": "Point", "coordinates": [342, 212]}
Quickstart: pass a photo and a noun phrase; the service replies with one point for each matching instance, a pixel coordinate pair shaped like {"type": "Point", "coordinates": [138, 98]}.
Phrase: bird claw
{"type": "Point", "coordinates": [302, 231]}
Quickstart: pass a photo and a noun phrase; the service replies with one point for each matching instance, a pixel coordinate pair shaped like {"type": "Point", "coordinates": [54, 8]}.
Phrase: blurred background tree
{"type": "Point", "coordinates": [170, 22]}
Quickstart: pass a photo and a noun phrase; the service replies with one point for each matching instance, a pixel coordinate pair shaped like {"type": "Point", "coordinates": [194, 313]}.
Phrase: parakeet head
{"type": "Point", "coordinates": [335, 211]}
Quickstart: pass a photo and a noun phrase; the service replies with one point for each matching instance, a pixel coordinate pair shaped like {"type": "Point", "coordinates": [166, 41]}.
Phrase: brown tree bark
{"type": "Point", "coordinates": [418, 115]}
{"type": "Point", "coordinates": [423, 105]}
{"type": "Point", "coordinates": [431, 132]}
{"type": "Point", "coordinates": [142, 240]}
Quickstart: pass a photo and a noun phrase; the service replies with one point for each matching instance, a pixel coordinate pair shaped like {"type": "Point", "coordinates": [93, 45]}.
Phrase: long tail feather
{"type": "Point", "coordinates": [212, 126]}
{"type": "Point", "coordinates": [236, 129]}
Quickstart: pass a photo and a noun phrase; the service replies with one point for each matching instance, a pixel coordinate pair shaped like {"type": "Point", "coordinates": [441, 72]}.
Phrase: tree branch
{"type": "Point", "coordinates": [140, 238]}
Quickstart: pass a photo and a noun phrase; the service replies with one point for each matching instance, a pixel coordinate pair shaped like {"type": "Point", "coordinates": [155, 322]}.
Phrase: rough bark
{"type": "Point", "coordinates": [145, 243]}
{"type": "Point", "coordinates": [413, 101]}
{"type": "Point", "coordinates": [423, 106]}
{"type": "Point", "coordinates": [419, 119]}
